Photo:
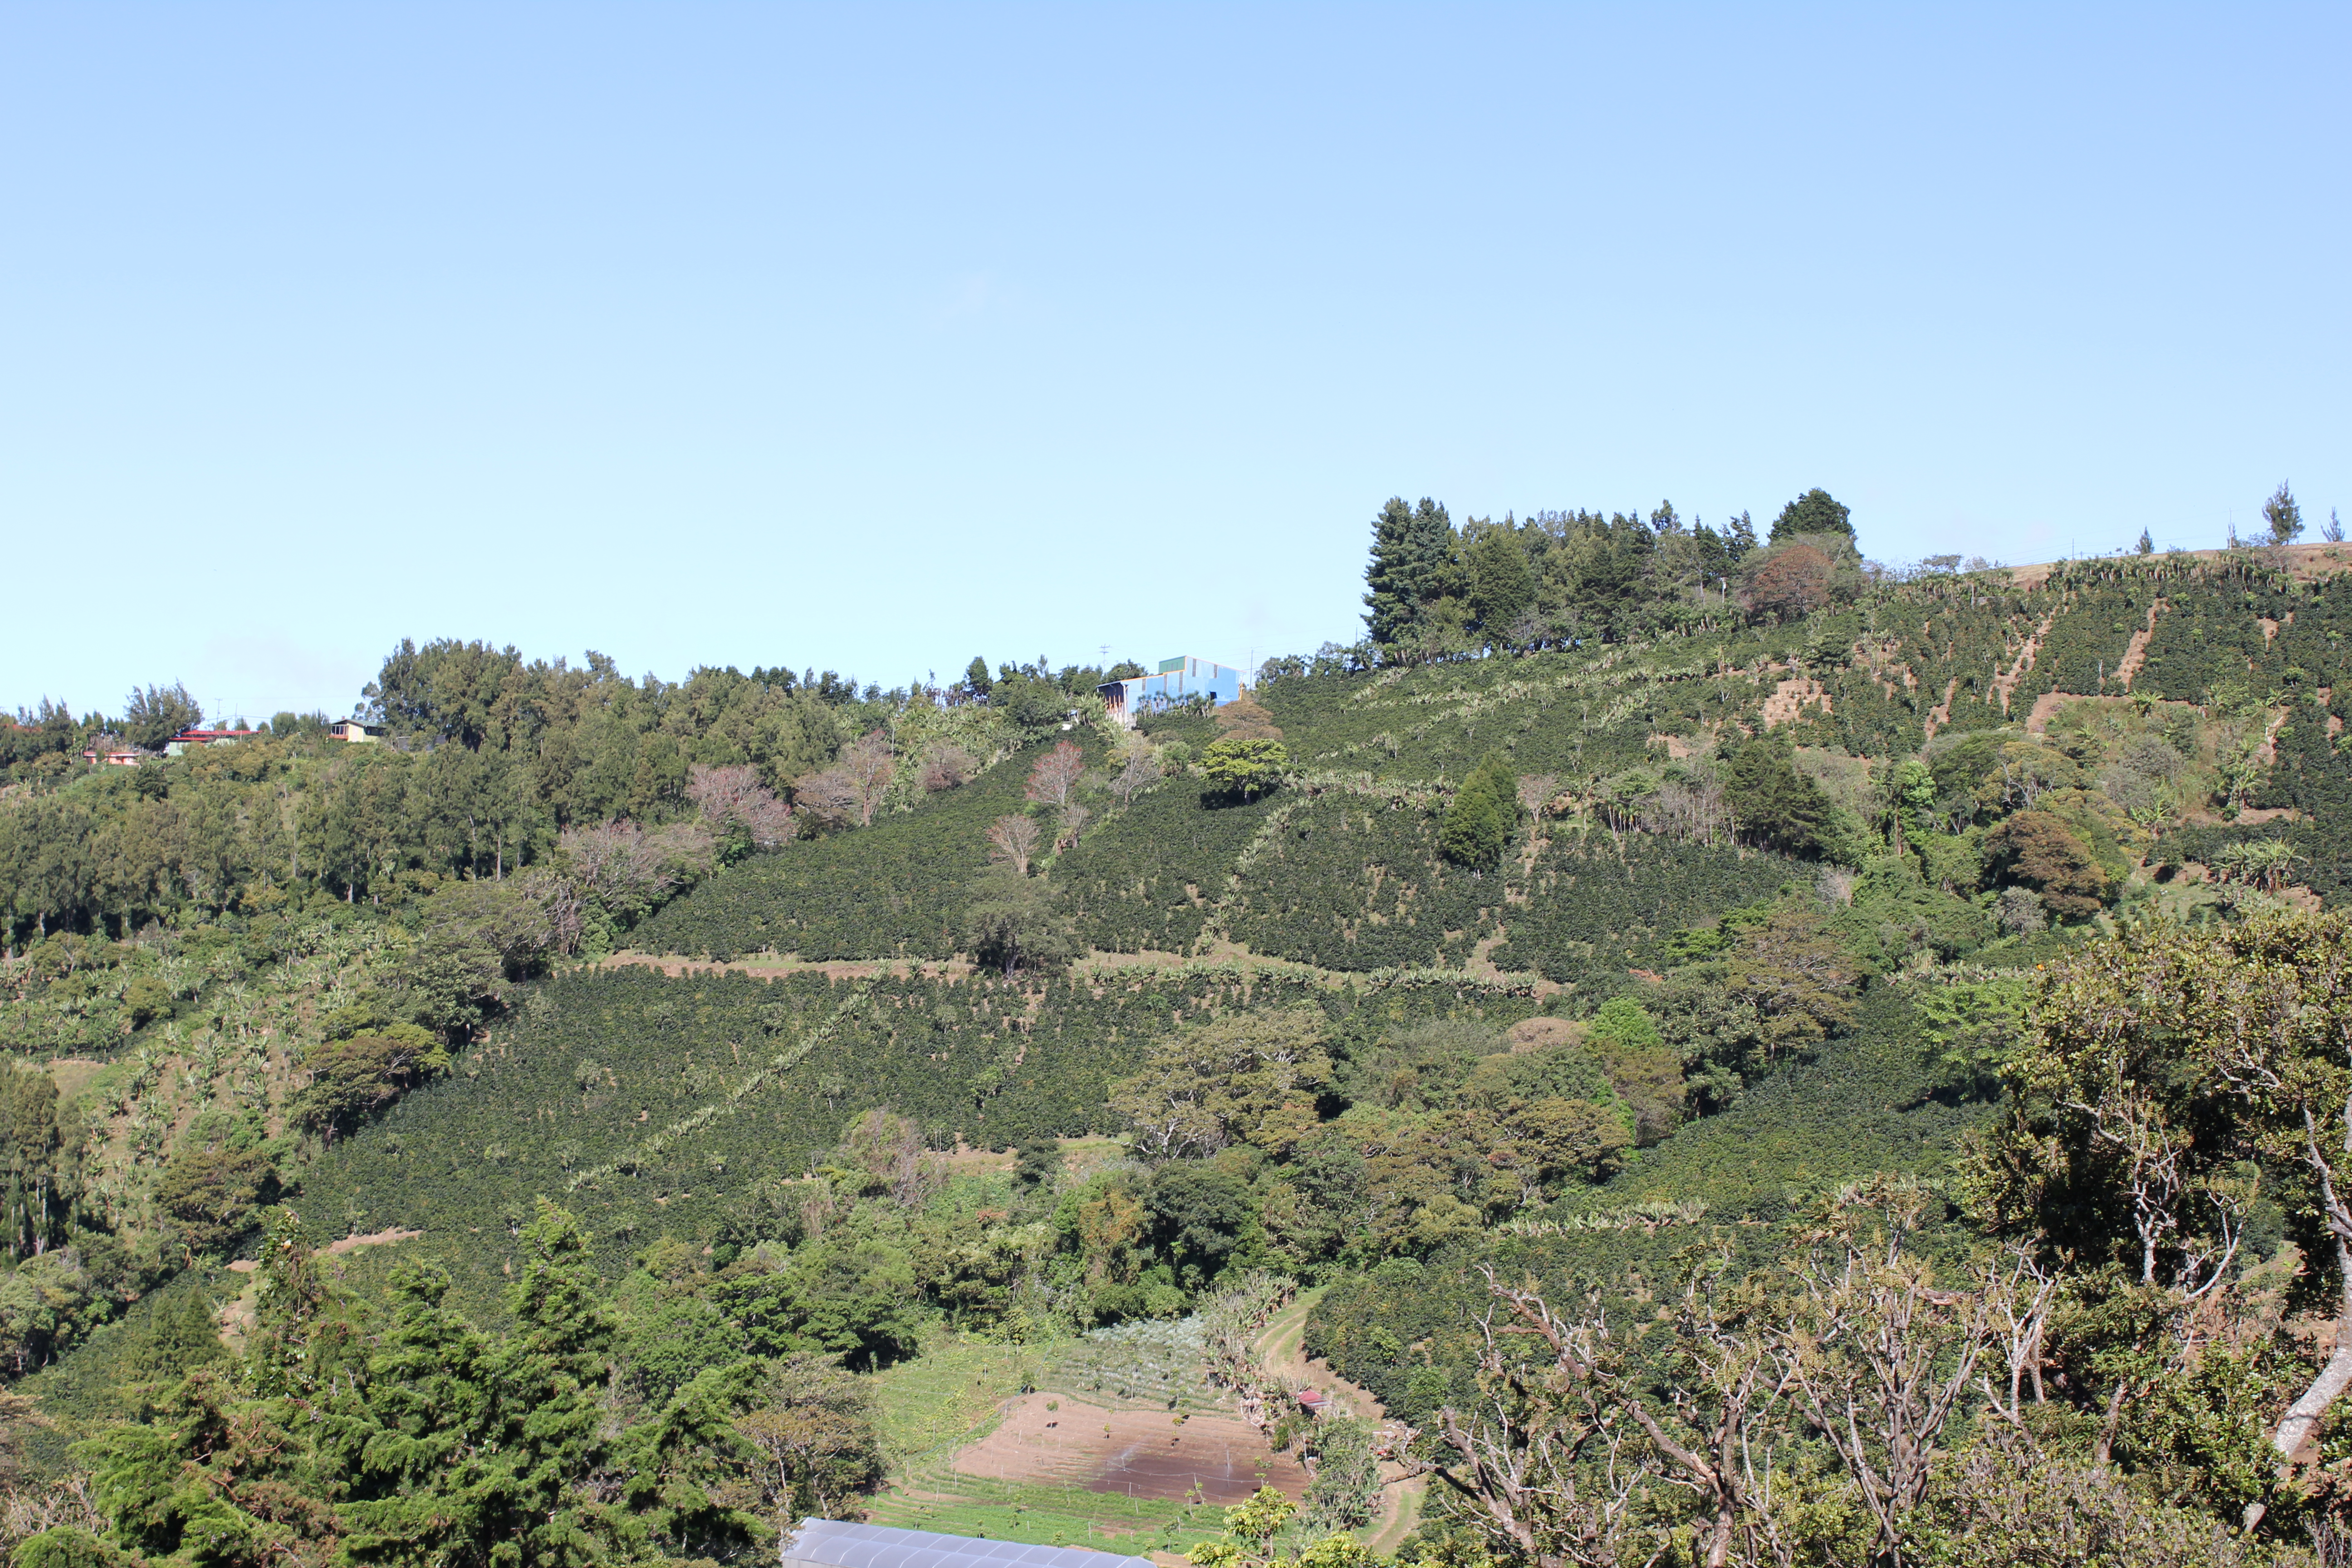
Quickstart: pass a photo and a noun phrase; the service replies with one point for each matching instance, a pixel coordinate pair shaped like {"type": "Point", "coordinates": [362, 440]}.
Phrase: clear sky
{"type": "Point", "coordinates": [875, 337]}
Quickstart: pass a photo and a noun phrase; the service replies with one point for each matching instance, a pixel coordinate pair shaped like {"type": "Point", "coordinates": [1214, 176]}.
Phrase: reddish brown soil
{"type": "Point", "coordinates": [1140, 1453]}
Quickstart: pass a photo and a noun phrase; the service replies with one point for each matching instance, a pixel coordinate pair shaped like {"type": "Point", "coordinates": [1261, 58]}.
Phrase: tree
{"type": "Point", "coordinates": [733, 800]}
{"type": "Point", "coordinates": [1789, 581]}
{"type": "Point", "coordinates": [210, 1189]}
{"type": "Point", "coordinates": [1247, 719]}
{"type": "Point", "coordinates": [1139, 773]}
{"type": "Point", "coordinates": [1815, 511]}
{"type": "Point", "coordinates": [1243, 769]}
{"type": "Point", "coordinates": [948, 767]}
{"type": "Point", "coordinates": [1013, 840]}
{"type": "Point", "coordinates": [1246, 1078]}
{"type": "Point", "coordinates": [1200, 1211]}
{"type": "Point", "coordinates": [2171, 1077]}
{"type": "Point", "coordinates": [814, 1425]}
{"type": "Point", "coordinates": [1411, 567]}
{"type": "Point", "coordinates": [1502, 583]}
{"type": "Point", "coordinates": [152, 716]}
{"type": "Point", "coordinates": [2146, 544]}
{"type": "Point", "coordinates": [830, 797]}
{"type": "Point", "coordinates": [869, 762]}
{"type": "Point", "coordinates": [2284, 517]}
{"type": "Point", "coordinates": [448, 688]}
{"type": "Point", "coordinates": [1774, 801]}
{"type": "Point", "coordinates": [352, 1080]}
{"type": "Point", "coordinates": [2040, 851]}
{"type": "Point", "coordinates": [1056, 774]}
{"type": "Point", "coordinates": [1479, 819]}
{"type": "Point", "coordinates": [2333, 532]}
{"type": "Point", "coordinates": [1250, 1540]}
{"type": "Point", "coordinates": [1797, 977]}
{"type": "Point", "coordinates": [1015, 922]}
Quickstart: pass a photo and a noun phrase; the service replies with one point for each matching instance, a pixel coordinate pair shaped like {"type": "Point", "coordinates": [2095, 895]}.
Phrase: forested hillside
{"type": "Point", "coordinates": [1800, 1003]}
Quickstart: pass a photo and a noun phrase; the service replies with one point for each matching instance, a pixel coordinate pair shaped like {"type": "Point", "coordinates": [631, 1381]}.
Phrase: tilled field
{"type": "Point", "coordinates": [1055, 1440]}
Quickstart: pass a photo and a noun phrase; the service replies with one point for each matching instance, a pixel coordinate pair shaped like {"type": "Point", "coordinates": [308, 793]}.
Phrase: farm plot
{"type": "Point", "coordinates": [1047, 1440]}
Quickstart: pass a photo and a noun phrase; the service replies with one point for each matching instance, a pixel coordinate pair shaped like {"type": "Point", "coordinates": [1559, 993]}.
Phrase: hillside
{"type": "Point", "coordinates": [1576, 923]}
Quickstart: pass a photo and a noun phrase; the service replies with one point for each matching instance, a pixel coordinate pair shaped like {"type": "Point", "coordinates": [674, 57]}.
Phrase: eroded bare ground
{"type": "Point", "coordinates": [1057, 1440]}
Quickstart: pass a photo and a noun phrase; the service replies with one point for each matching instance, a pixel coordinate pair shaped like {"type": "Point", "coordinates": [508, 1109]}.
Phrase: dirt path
{"type": "Point", "coordinates": [1282, 1348]}
{"type": "Point", "coordinates": [2136, 651]}
{"type": "Point", "coordinates": [1941, 713]}
{"type": "Point", "coordinates": [2005, 682]}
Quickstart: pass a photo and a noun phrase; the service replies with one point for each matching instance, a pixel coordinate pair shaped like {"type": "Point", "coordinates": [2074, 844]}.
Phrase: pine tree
{"type": "Point", "coordinates": [1502, 585]}
{"type": "Point", "coordinates": [2283, 515]}
{"type": "Point", "coordinates": [1770, 799]}
{"type": "Point", "coordinates": [1815, 511]}
{"type": "Point", "coordinates": [1478, 821]}
{"type": "Point", "coordinates": [1413, 566]}
{"type": "Point", "coordinates": [2146, 544]}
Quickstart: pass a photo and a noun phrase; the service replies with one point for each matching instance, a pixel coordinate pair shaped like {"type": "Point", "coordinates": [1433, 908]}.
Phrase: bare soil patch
{"type": "Point", "coordinates": [1790, 699]}
{"type": "Point", "coordinates": [2006, 680]}
{"type": "Point", "coordinates": [2135, 652]}
{"type": "Point", "coordinates": [1135, 1453]}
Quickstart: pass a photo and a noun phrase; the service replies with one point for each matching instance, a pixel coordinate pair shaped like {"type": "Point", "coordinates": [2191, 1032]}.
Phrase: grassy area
{"type": "Point", "coordinates": [946, 1395]}
{"type": "Point", "coordinates": [1048, 1516]}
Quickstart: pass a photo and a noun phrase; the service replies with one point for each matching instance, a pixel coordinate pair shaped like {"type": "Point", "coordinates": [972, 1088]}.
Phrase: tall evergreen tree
{"type": "Point", "coordinates": [2284, 517]}
{"type": "Point", "coordinates": [1815, 511]}
{"type": "Point", "coordinates": [1478, 821]}
{"type": "Point", "coordinates": [1502, 583]}
{"type": "Point", "coordinates": [1413, 566]}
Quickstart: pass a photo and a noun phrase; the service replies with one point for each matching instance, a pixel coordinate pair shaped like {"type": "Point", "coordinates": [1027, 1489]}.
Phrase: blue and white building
{"type": "Point", "coordinates": [1175, 681]}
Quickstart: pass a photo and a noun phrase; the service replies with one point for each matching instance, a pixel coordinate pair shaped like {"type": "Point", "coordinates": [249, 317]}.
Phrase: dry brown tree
{"type": "Point", "coordinates": [1013, 840]}
{"type": "Point", "coordinates": [735, 794]}
{"type": "Point", "coordinates": [869, 762]}
{"type": "Point", "coordinates": [1057, 774]}
{"type": "Point", "coordinates": [948, 767]}
{"type": "Point", "coordinates": [1141, 771]}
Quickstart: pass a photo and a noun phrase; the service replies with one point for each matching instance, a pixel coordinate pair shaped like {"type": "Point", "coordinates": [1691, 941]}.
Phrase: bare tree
{"type": "Point", "coordinates": [735, 794]}
{"type": "Point", "coordinates": [830, 795]}
{"type": "Point", "coordinates": [1074, 821]}
{"type": "Point", "coordinates": [1012, 839]}
{"type": "Point", "coordinates": [1688, 811]}
{"type": "Point", "coordinates": [1536, 789]}
{"type": "Point", "coordinates": [1057, 774]}
{"type": "Point", "coordinates": [1141, 771]}
{"type": "Point", "coordinates": [619, 867]}
{"type": "Point", "coordinates": [1879, 1358]}
{"type": "Point", "coordinates": [869, 763]}
{"type": "Point", "coordinates": [1546, 1459]}
{"type": "Point", "coordinates": [949, 766]}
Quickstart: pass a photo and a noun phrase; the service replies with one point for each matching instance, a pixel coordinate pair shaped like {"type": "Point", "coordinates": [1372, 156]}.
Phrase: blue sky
{"type": "Point", "coordinates": [874, 337]}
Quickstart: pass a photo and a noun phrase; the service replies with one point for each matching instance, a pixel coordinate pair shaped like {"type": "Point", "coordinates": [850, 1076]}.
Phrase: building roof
{"type": "Point", "coordinates": [844, 1545]}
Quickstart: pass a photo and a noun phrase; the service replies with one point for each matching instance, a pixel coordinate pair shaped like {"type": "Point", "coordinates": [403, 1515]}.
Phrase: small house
{"type": "Point", "coordinates": [123, 759]}
{"type": "Point", "coordinates": [1176, 680]}
{"type": "Point", "coordinates": [180, 743]}
{"type": "Point", "coordinates": [355, 732]}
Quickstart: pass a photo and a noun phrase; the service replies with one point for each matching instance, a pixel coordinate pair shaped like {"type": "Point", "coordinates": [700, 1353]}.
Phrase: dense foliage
{"type": "Point", "coordinates": [1662, 917]}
